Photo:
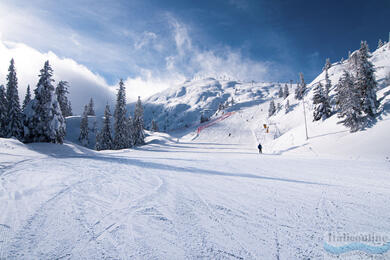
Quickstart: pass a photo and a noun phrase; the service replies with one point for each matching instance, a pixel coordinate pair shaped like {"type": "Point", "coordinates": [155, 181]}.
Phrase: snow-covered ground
{"type": "Point", "coordinates": [214, 197]}
{"type": "Point", "coordinates": [202, 195]}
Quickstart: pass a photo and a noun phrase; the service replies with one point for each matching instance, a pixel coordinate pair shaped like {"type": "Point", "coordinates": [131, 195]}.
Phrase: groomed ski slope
{"type": "Point", "coordinates": [214, 197]}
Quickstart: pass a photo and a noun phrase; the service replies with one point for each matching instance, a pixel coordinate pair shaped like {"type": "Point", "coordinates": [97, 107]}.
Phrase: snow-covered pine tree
{"type": "Point", "coordinates": [154, 126]}
{"type": "Point", "coordinates": [280, 94]}
{"type": "Point", "coordinates": [287, 107]}
{"type": "Point", "coordinates": [221, 106]}
{"type": "Point", "coordinates": [83, 137]}
{"type": "Point", "coordinates": [278, 107]}
{"type": "Point", "coordinates": [365, 81]}
{"type": "Point", "coordinates": [94, 127]}
{"type": "Point", "coordinates": [272, 108]}
{"type": "Point", "coordinates": [43, 117]}
{"type": "Point", "coordinates": [348, 99]}
{"type": "Point", "coordinates": [203, 118]}
{"type": "Point", "coordinates": [138, 122]}
{"type": "Point", "coordinates": [27, 98]}
{"type": "Point", "coordinates": [321, 103]}
{"type": "Point", "coordinates": [286, 92]}
{"type": "Point", "coordinates": [130, 131]}
{"type": "Point", "coordinates": [104, 138]}
{"type": "Point", "coordinates": [317, 101]}
{"type": "Point", "coordinates": [14, 125]}
{"type": "Point", "coordinates": [328, 65]}
{"type": "Point", "coordinates": [380, 43]}
{"type": "Point", "coordinates": [121, 136]}
{"type": "Point", "coordinates": [3, 112]}
{"type": "Point", "coordinates": [91, 109]}
{"type": "Point", "coordinates": [301, 88]}
{"type": "Point", "coordinates": [61, 92]}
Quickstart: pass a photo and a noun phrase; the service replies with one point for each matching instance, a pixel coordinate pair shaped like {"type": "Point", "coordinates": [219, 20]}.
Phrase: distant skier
{"type": "Point", "coordinates": [260, 148]}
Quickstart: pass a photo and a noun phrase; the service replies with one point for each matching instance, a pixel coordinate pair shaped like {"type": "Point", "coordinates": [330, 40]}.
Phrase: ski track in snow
{"type": "Point", "coordinates": [185, 200]}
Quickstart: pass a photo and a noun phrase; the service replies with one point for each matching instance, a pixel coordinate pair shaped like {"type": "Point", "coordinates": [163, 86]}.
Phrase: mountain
{"type": "Point", "coordinates": [180, 108]}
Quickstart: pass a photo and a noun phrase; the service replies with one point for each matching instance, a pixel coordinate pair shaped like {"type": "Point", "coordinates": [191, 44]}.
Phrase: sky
{"type": "Point", "coordinates": [156, 44]}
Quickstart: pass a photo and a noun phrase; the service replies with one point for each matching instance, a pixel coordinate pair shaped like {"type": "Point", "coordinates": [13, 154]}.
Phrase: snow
{"type": "Point", "coordinates": [174, 200]}
{"type": "Point", "coordinates": [181, 106]}
{"type": "Point", "coordinates": [210, 195]}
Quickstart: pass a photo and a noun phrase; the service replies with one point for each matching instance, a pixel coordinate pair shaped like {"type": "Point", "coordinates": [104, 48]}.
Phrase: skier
{"type": "Point", "coordinates": [260, 148]}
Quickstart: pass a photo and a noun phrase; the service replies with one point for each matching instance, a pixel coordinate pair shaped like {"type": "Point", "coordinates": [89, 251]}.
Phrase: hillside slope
{"type": "Point", "coordinates": [181, 107]}
{"type": "Point", "coordinates": [182, 200]}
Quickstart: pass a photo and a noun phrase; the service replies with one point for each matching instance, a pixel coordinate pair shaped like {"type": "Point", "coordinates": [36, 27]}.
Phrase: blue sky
{"type": "Point", "coordinates": [170, 40]}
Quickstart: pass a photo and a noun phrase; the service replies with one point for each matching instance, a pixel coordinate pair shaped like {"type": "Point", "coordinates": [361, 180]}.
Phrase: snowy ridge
{"type": "Point", "coordinates": [182, 106]}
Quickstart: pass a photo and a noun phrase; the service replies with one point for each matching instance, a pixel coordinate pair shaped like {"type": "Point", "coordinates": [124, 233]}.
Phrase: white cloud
{"type": "Point", "coordinates": [147, 84]}
{"type": "Point", "coordinates": [230, 65]}
{"type": "Point", "coordinates": [145, 39]}
{"type": "Point", "coordinates": [150, 61]}
{"type": "Point", "coordinates": [28, 61]}
{"type": "Point", "coordinates": [221, 62]}
{"type": "Point", "coordinates": [181, 36]}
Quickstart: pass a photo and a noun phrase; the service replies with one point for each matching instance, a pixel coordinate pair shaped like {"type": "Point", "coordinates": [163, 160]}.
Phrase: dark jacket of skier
{"type": "Point", "coordinates": [260, 148]}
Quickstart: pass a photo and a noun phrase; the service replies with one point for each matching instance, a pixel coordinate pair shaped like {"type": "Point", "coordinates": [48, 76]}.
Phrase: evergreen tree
{"type": "Point", "coordinates": [91, 109]}
{"type": "Point", "coordinates": [27, 98]}
{"type": "Point", "coordinates": [280, 94]}
{"type": "Point", "coordinates": [287, 107]}
{"type": "Point", "coordinates": [3, 112]}
{"type": "Point", "coordinates": [328, 83]}
{"type": "Point", "coordinates": [43, 116]}
{"type": "Point", "coordinates": [221, 107]}
{"type": "Point", "coordinates": [138, 122]}
{"type": "Point", "coordinates": [154, 126]}
{"type": "Point", "coordinates": [14, 126]}
{"type": "Point", "coordinates": [301, 88]}
{"type": "Point", "coordinates": [328, 65]}
{"type": "Point", "coordinates": [203, 118]}
{"type": "Point", "coordinates": [83, 137]}
{"type": "Point", "coordinates": [104, 138]}
{"type": "Point", "coordinates": [365, 81]}
{"type": "Point", "coordinates": [321, 103]}
{"type": "Point", "coordinates": [278, 107]}
{"type": "Point", "coordinates": [348, 98]}
{"type": "Point", "coordinates": [286, 91]}
{"type": "Point", "coordinates": [272, 108]}
{"type": "Point", "coordinates": [121, 136]}
{"type": "Point", "coordinates": [380, 43]}
{"type": "Point", "coordinates": [130, 131]}
{"type": "Point", "coordinates": [61, 92]}
{"type": "Point", "coordinates": [94, 126]}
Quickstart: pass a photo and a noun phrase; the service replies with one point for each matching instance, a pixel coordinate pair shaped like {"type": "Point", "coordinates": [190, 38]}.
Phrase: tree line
{"type": "Point", "coordinates": [354, 101]}
{"type": "Point", "coordinates": [128, 131]}
{"type": "Point", "coordinates": [42, 118]}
